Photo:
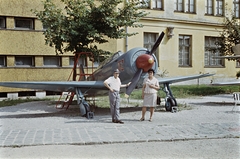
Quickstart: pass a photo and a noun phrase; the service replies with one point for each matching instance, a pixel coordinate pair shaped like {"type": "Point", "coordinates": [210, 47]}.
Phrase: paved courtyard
{"type": "Point", "coordinates": [39, 123]}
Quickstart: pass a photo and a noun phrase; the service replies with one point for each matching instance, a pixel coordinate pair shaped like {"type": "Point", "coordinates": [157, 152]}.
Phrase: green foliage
{"type": "Point", "coordinates": [82, 24]}
{"type": "Point", "coordinates": [229, 37]}
{"type": "Point", "coordinates": [238, 74]}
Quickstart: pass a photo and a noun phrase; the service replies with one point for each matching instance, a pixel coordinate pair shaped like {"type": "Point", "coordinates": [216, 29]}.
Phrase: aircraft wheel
{"type": "Point", "coordinates": [170, 102]}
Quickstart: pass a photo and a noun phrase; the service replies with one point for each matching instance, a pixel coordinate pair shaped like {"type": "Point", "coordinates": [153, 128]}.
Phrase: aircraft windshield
{"type": "Point", "coordinates": [111, 58]}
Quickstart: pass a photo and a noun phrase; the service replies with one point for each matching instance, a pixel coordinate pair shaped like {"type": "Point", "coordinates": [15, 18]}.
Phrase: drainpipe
{"type": "Point", "coordinates": [126, 40]}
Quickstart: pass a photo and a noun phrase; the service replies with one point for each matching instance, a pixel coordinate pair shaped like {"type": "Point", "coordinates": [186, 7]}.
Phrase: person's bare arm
{"type": "Point", "coordinates": [125, 85]}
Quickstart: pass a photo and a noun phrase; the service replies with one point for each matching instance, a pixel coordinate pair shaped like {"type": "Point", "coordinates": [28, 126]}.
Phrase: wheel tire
{"type": "Point", "coordinates": [169, 103]}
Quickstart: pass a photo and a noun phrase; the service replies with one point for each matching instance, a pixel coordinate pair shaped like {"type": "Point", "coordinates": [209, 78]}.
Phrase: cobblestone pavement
{"type": "Point", "coordinates": [39, 123]}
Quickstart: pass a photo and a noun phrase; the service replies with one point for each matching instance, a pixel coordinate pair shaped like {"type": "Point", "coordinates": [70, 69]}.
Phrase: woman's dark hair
{"type": "Point", "coordinates": [151, 70]}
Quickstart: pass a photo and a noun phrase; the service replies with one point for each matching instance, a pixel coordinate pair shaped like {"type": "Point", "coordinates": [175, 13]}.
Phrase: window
{"type": "Point", "coordinates": [24, 23]}
{"type": "Point", "coordinates": [190, 6]}
{"type": "Point", "coordinates": [209, 7]}
{"type": "Point", "coordinates": [149, 41]}
{"type": "Point", "coordinates": [2, 22]}
{"type": "Point", "coordinates": [145, 3]}
{"type": "Point", "coordinates": [52, 61]}
{"type": "Point", "coordinates": [219, 7]}
{"type": "Point", "coordinates": [71, 61]}
{"type": "Point", "coordinates": [157, 4]}
{"type": "Point", "coordinates": [179, 5]}
{"type": "Point", "coordinates": [2, 61]}
{"type": "Point", "coordinates": [81, 61]}
{"type": "Point", "coordinates": [237, 63]}
{"type": "Point", "coordinates": [209, 60]}
{"type": "Point", "coordinates": [184, 50]}
{"type": "Point", "coordinates": [45, 27]}
{"type": "Point", "coordinates": [24, 61]}
{"type": "Point", "coordinates": [236, 8]}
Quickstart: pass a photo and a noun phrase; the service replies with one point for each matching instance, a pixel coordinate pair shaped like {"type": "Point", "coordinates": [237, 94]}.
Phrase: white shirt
{"type": "Point", "coordinates": [148, 82]}
{"type": "Point", "coordinates": [114, 83]}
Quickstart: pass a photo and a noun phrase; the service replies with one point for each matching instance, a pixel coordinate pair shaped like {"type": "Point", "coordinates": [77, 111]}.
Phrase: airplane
{"type": "Point", "coordinates": [133, 66]}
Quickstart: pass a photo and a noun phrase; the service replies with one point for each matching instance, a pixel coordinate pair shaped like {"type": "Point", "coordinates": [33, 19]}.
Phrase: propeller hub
{"type": "Point", "coordinates": [145, 62]}
{"type": "Point", "coordinates": [151, 60]}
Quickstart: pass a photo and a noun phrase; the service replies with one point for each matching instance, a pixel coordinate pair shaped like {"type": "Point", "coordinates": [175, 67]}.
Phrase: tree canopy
{"type": "Point", "coordinates": [81, 24]}
{"type": "Point", "coordinates": [229, 36]}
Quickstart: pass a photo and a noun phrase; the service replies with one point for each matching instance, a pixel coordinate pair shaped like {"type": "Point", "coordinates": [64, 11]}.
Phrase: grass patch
{"type": "Point", "coordinates": [179, 91]}
{"type": "Point", "coordinates": [185, 91]}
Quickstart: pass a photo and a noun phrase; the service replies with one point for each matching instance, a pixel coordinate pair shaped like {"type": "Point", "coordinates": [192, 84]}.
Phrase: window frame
{"type": "Point", "coordinates": [182, 61]}
{"type": "Point", "coordinates": [188, 6]}
{"type": "Point", "coordinates": [4, 63]}
{"type": "Point", "coordinates": [57, 58]}
{"type": "Point", "coordinates": [151, 39]}
{"type": "Point", "coordinates": [236, 4]}
{"type": "Point", "coordinates": [209, 60]}
{"type": "Point", "coordinates": [81, 60]}
{"type": "Point", "coordinates": [237, 64]}
{"type": "Point", "coordinates": [31, 24]}
{"type": "Point", "coordinates": [154, 4]}
{"type": "Point", "coordinates": [177, 4]}
{"type": "Point", "coordinates": [3, 22]}
{"type": "Point", "coordinates": [219, 8]}
{"type": "Point", "coordinates": [207, 7]}
{"type": "Point", "coordinates": [31, 59]}
{"type": "Point", "coordinates": [145, 4]}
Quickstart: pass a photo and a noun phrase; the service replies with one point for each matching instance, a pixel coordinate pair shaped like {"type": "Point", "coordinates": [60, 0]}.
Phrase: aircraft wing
{"type": "Point", "coordinates": [86, 86]}
{"type": "Point", "coordinates": [182, 78]}
{"type": "Point", "coordinates": [56, 86]}
{"type": "Point", "coordinates": [227, 57]}
{"type": "Point", "coordinates": [237, 82]}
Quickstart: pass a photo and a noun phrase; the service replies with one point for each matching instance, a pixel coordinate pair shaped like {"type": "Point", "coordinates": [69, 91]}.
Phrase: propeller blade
{"type": "Point", "coordinates": [134, 82]}
{"type": "Point", "coordinates": [157, 43]}
{"type": "Point", "coordinates": [139, 72]}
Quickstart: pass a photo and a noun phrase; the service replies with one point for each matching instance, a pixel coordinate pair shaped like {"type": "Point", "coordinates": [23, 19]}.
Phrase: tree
{"type": "Point", "coordinates": [82, 24]}
{"type": "Point", "coordinates": [229, 36]}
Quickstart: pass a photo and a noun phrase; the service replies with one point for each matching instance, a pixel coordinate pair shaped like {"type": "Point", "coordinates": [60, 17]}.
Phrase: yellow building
{"type": "Point", "coordinates": [191, 26]}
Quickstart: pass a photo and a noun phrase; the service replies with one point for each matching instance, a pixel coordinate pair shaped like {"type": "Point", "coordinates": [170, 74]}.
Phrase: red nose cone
{"type": "Point", "coordinates": [145, 62]}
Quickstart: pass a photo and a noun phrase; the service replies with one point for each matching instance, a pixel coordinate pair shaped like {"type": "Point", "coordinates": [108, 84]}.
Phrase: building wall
{"type": "Point", "coordinates": [197, 26]}
{"type": "Point", "coordinates": [20, 42]}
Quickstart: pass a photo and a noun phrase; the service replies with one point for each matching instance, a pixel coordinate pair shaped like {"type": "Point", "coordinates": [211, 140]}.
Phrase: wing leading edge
{"type": "Point", "coordinates": [56, 86]}
{"type": "Point", "coordinates": [226, 83]}
{"type": "Point", "coordinates": [182, 78]}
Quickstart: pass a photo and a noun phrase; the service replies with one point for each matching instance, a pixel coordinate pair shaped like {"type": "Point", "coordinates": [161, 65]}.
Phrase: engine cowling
{"type": "Point", "coordinates": [145, 62]}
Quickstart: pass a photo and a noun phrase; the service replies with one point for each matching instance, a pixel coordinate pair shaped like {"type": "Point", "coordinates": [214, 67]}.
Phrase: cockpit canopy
{"type": "Point", "coordinates": [111, 58]}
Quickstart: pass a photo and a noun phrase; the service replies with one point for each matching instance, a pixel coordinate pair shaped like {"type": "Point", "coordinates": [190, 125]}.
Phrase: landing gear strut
{"type": "Point", "coordinates": [83, 105]}
{"type": "Point", "coordinates": [170, 101]}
